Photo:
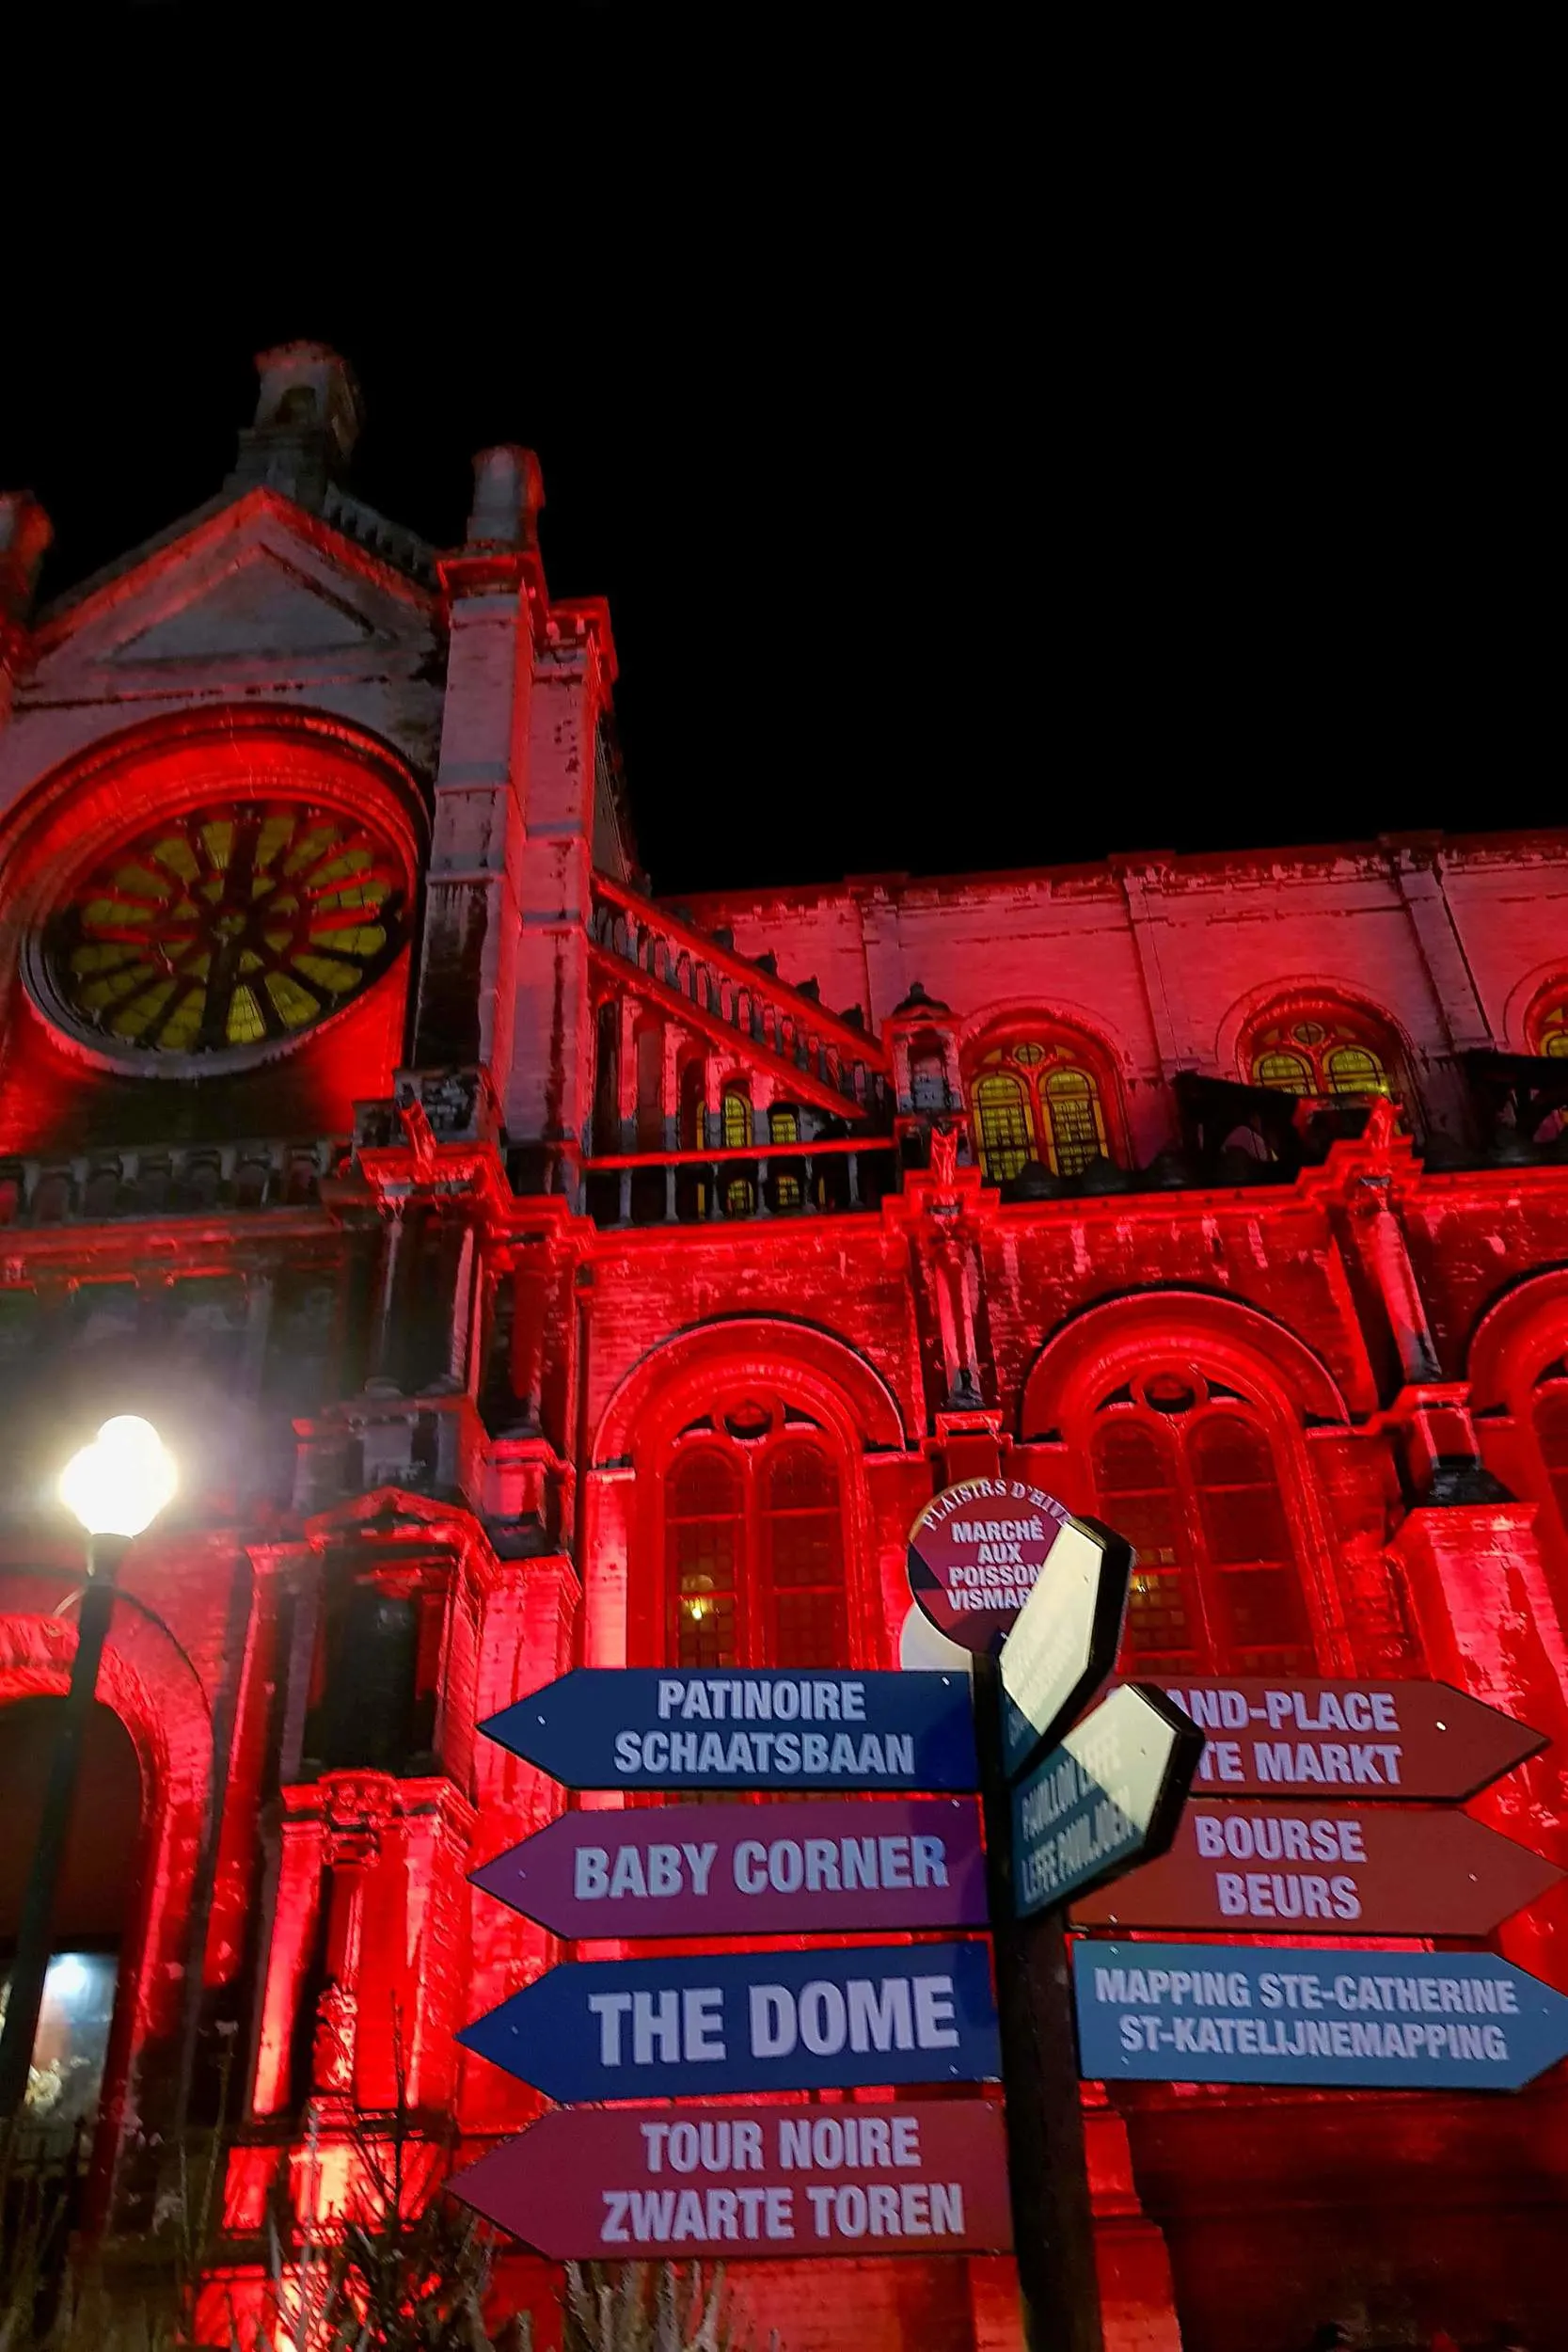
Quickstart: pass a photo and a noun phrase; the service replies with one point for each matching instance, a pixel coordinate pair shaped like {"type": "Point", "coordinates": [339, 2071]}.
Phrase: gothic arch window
{"type": "Point", "coordinates": [738, 1120]}
{"type": "Point", "coordinates": [755, 1540]}
{"type": "Point", "coordinates": [705, 1518]}
{"type": "Point", "coordinates": [606, 1091]}
{"type": "Point", "coordinates": [1037, 1096]}
{"type": "Point", "coordinates": [1185, 1468]}
{"type": "Point", "coordinates": [783, 1126]}
{"type": "Point", "coordinates": [1330, 1052]}
{"type": "Point", "coordinates": [693, 1091]}
{"type": "Point", "coordinates": [735, 1129]}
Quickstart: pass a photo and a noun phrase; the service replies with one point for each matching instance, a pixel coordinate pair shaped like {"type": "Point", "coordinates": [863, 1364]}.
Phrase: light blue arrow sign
{"type": "Point", "coordinates": [1065, 1638]}
{"type": "Point", "coordinates": [1312, 2015]}
{"type": "Point", "coordinates": [749, 2020]}
{"type": "Point", "coordinates": [641, 1727]}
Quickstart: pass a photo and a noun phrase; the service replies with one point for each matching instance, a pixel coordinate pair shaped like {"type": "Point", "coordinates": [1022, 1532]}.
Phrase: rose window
{"type": "Point", "coordinates": [225, 928]}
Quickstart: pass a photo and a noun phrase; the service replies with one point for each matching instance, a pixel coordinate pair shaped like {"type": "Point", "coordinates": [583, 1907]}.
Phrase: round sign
{"type": "Point", "coordinates": [975, 1553]}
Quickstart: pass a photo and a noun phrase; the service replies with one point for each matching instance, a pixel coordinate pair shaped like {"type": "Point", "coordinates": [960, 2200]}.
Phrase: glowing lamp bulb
{"type": "Point", "coordinates": [118, 1485]}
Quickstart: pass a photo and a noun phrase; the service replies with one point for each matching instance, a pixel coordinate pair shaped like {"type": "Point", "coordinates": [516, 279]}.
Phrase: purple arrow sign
{"type": "Point", "coordinates": [777, 1869]}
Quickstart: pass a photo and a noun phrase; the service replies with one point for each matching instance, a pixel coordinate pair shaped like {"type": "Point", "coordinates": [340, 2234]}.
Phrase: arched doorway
{"type": "Point", "coordinates": [93, 1911]}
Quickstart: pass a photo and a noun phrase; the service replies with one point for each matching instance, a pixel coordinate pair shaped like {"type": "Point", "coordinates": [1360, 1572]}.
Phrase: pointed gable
{"type": "Point", "coordinates": [263, 605]}
{"type": "Point", "coordinates": [259, 589]}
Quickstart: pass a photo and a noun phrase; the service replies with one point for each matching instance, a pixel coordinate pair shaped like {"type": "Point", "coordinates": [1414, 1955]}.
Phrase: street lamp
{"type": "Point", "coordinates": [116, 1486]}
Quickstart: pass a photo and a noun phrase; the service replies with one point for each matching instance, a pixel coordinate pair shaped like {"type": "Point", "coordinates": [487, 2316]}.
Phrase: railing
{"type": "Point", "coordinates": [395, 544]}
{"type": "Point", "coordinates": [184, 1179]}
{"type": "Point", "coordinates": [833, 1174]}
{"type": "Point", "coordinates": [763, 1010]}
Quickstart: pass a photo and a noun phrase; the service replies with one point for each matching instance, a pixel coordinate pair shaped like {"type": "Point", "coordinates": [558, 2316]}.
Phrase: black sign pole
{"type": "Point", "coordinates": [1053, 2222]}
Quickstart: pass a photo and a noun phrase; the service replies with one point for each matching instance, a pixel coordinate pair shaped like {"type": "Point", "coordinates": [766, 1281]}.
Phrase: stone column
{"type": "Point", "coordinates": [465, 986]}
{"type": "Point", "coordinates": [1487, 1622]}
{"type": "Point", "coordinates": [526, 1639]}
{"type": "Point", "coordinates": [626, 1071]}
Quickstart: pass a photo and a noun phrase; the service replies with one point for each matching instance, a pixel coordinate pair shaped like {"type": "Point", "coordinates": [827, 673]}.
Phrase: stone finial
{"type": "Point", "coordinates": [25, 532]}
{"type": "Point", "coordinates": [308, 387]}
{"type": "Point", "coordinates": [307, 419]}
{"type": "Point", "coordinates": [917, 1001]}
{"type": "Point", "coordinates": [509, 492]}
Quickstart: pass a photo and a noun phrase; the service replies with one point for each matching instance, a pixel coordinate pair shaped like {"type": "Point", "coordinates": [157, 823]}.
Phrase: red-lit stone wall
{"type": "Point", "coordinates": [430, 1297]}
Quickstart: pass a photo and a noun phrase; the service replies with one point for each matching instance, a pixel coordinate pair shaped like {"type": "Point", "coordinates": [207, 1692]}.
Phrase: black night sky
{"type": "Point", "coordinates": [964, 498]}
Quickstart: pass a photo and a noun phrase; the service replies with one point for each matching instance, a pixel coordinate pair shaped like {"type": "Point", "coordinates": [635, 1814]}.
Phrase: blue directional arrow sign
{"type": "Point", "coordinates": [635, 1728]}
{"type": "Point", "coordinates": [1313, 2015]}
{"type": "Point", "coordinates": [749, 2020]}
{"type": "Point", "coordinates": [1108, 1797]}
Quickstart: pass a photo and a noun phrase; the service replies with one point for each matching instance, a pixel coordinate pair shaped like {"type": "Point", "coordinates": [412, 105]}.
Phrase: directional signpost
{"type": "Point", "coordinates": [1301, 1827]}
{"type": "Point", "coordinates": [1307, 1817]}
{"type": "Point", "coordinates": [1064, 1640]}
{"type": "Point", "coordinates": [1313, 2016]}
{"type": "Point", "coordinates": [684, 2028]}
{"type": "Point", "coordinates": [619, 2185]}
{"type": "Point", "coordinates": [1059, 1651]}
{"type": "Point", "coordinates": [789, 2181]}
{"type": "Point", "coordinates": [639, 1728]}
{"type": "Point", "coordinates": [1109, 1796]}
{"type": "Point", "coordinates": [1285, 1870]}
{"type": "Point", "coordinates": [1365, 1740]}
{"type": "Point", "coordinates": [827, 1868]}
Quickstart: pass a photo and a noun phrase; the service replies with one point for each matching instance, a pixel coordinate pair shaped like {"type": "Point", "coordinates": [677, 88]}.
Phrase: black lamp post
{"type": "Point", "coordinates": [116, 1486]}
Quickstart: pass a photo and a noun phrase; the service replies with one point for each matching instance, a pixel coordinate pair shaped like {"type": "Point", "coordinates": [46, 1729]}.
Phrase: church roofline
{"type": "Point", "coordinates": [65, 613]}
{"type": "Point", "coordinates": [705, 906]}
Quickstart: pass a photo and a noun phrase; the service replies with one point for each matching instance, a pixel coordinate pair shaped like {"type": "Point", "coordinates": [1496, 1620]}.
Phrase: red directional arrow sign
{"type": "Point", "coordinates": [1325, 1869]}
{"type": "Point", "coordinates": [619, 2185]}
{"type": "Point", "coordinates": [1355, 1739]}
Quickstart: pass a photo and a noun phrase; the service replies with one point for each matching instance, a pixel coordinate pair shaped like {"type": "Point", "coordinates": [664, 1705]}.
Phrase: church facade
{"type": "Point", "coordinates": [530, 1271]}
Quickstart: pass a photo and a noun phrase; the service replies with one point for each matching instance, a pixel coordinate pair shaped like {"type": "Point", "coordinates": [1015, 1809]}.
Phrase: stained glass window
{"type": "Point", "coordinates": [225, 928]}
{"type": "Point", "coordinates": [783, 1126]}
{"type": "Point", "coordinates": [1550, 1029]}
{"type": "Point", "coordinates": [1035, 1101]}
{"type": "Point", "coordinates": [1327, 1056]}
{"type": "Point", "coordinates": [1007, 1126]}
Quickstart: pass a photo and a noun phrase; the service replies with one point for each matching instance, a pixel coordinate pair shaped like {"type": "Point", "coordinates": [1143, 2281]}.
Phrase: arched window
{"type": "Point", "coordinates": [693, 1099]}
{"type": "Point", "coordinates": [607, 1094]}
{"type": "Point", "coordinates": [705, 1537]}
{"type": "Point", "coordinates": [1184, 1467]}
{"type": "Point", "coordinates": [1038, 1098]}
{"type": "Point", "coordinates": [783, 1126]}
{"type": "Point", "coordinates": [1007, 1126]}
{"type": "Point", "coordinates": [803, 1544]}
{"type": "Point", "coordinates": [755, 1542]}
{"type": "Point", "coordinates": [739, 1195]}
{"type": "Point", "coordinates": [1323, 1052]}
